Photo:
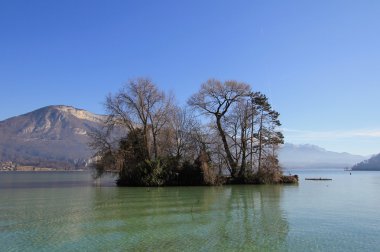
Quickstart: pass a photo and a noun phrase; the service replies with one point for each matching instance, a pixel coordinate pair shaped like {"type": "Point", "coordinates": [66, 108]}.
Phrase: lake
{"type": "Point", "coordinates": [67, 211]}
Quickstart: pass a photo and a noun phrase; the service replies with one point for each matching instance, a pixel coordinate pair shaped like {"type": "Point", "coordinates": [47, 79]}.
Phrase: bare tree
{"type": "Point", "coordinates": [183, 126]}
{"type": "Point", "coordinates": [245, 122]}
{"type": "Point", "coordinates": [216, 98]}
{"type": "Point", "coordinates": [107, 154]}
{"type": "Point", "coordinates": [164, 140]}
{"type": "Point", "coordinates": [139, 104]}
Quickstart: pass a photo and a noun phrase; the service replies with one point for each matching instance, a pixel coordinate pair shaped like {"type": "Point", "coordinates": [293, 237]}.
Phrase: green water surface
{"type": "Point", "coordinates": [63, 211]}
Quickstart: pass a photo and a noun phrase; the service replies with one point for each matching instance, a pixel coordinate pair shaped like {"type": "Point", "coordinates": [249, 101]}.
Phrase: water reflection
{"type": "Point", "coordinates": [194, 218]}
{"type": "Point", "coordinates": [129, 219]}
{"type": "Point", "coordinates": [253, 219]}
{"type": "Point", "coordinates": [311, 216]}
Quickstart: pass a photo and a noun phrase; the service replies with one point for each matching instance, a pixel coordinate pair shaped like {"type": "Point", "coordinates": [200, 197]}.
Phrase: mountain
{"type": "Point", "coordinates": [372, 164]}
{"type": "Point", "coordinates": [53, 136]}
{"type": "Point", "coordinates": [312, 156]}
{"type": "Point", "coordinates": [57, 137]}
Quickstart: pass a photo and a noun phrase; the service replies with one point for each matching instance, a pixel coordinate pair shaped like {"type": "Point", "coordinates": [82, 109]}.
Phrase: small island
{"type": "Point", "coordinates": [227, 134]}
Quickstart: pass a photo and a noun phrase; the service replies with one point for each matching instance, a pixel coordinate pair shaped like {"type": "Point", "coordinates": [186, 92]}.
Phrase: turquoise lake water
{"type": "Point", "coordinates": [66, 211]}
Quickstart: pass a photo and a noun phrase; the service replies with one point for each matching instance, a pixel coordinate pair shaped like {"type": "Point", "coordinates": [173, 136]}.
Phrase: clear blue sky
{"type": "Point", "coordinates": [318, 61]}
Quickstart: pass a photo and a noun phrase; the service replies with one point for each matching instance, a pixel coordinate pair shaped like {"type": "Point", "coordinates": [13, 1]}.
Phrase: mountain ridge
{"type": "Point", "coordinates": [312, 156]}
{"type": "Point", "coordinates": [371, 164]}
{"type": "Point", "coordinates": [51, 136]}
{"type": "Point", "coordinates": [57, 136]}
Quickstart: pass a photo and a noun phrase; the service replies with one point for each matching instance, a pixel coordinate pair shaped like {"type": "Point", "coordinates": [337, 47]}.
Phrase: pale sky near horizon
{"type": "Point", "coordinates": [317, 61]}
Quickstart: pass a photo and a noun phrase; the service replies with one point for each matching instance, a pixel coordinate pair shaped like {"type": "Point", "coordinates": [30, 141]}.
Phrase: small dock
{"type": "Point", "coordinates": [320, 179]}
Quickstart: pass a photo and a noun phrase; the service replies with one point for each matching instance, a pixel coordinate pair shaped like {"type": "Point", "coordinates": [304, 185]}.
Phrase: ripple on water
{"type": "Point", "coordinates": [309, 217]}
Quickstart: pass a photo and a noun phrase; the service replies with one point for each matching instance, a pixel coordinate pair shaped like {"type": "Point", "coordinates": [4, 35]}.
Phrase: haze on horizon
{"type": "Point", "coordinates": [318, 62]}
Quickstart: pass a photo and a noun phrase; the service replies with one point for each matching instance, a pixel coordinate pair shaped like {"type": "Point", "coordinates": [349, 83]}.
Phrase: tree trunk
{"type": "Point", "coordinates": [260, 140]}
{"type": "Point", "coordinates": [155, 150]}
{"type": "Point", "coordinates": [243, 148]}
{"type": "Point", "coordinates": [146, 141]}
{"type": "Point", "coordinates": [251, 136]}
{"type": "Point", "coordinates": [230, 160]}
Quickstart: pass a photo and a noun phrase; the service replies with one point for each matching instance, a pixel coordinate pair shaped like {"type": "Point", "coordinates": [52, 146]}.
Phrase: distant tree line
{"type": "Point", "coordinates": [227, 134]}
{"type": "Point", "coordinates": [372, 164]}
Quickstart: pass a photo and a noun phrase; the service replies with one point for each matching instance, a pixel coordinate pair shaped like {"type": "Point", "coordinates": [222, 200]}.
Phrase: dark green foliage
{"type": "Point", "coordinates": [145, 173]}
{"type": "Point", "coordinates": [132, 158]}
{"type": "Point", "coordinates": [190, 174]}
{"type": "Point", "coordinates": [138, 170]}
{"type": "Point", "coordinates": [159, 172]}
